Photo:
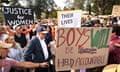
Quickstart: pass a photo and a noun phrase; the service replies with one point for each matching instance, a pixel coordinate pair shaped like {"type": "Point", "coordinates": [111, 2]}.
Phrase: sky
{"type": "Point", "coordinates": [60, 3]}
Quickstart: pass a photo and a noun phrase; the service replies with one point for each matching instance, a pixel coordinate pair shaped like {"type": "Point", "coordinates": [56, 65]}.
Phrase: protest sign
{"type": "Point", "coordinates": [116, 10]}
{"type": "Point", "coordinates": [69, 18]}
{"type": "Point", "coordinates": [81, 48]}
{"type": "Point", "coordinates": [18, 16]}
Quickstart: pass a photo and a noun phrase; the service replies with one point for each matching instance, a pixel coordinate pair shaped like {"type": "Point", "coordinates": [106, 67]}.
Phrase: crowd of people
{"type": "Point", "coordinates": [103, 21]}
{"type": "Point", "coordinates": [23, 47]}
{"type": "Point", "coordinates": [30, 47]}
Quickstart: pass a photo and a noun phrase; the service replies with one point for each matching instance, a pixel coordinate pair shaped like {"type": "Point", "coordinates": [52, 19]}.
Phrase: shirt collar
{"type": "Point", "coordinates": [40, 38]}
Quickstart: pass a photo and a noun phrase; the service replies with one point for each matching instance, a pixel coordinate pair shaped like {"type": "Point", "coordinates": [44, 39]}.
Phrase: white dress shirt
{"type": "Point", "coordinates": [44, 48]}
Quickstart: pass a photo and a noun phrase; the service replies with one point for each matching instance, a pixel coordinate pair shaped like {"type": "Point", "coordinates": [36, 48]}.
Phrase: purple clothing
{"type": "Point", "coordinates": [82, 70]}
{"type": "Point", "coordinates": [2, 37]}
{"type": "Point", "coordinates": [7, 64]}
{"type": "Point", "coordinates": [114, 56]}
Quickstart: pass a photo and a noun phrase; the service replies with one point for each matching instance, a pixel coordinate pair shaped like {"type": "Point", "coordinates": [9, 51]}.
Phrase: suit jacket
{"type": "Point", "coordinates": [35, 53]}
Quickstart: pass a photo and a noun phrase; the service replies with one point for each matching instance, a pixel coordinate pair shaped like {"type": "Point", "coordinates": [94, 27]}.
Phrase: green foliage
{"type": "Point", "coordinates": [95, 9]}
{"type": "Point", "coordinates": [1, 19]}
{"type": "Point", "coordinates": [105, 6]}
{"type": "Point", "coordinates": [14, 3]}
{"type": "Point", "coordinates": [43, 6]}
{"type": "Point", "coordinates": [78, 4]}
{"type": "Point", "coordinates": [53, 14]}
{"type": "Point", "coordinates": [39, 6]}
{"type": "Point", "coordinates": [99, 7]}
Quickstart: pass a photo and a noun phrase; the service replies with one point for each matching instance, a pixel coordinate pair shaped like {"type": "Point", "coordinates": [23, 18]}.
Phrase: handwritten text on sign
{"type": "Point", "coordinates": [15, 16]}
{"type": "Point", "coordinates": [69, 18]}
{"type": "Point", "coordinates": [81, 47]}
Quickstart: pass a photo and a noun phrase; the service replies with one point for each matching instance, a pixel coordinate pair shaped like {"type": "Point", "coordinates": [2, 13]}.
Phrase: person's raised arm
{"type": "Point", "coordinates": [32, 65]}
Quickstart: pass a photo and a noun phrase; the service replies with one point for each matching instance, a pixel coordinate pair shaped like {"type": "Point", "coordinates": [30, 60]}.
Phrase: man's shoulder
{"type": "Point", "coordinates": [34, 39]}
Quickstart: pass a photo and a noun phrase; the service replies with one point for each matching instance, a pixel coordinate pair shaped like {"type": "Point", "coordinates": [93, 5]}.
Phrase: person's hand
{"type": "Point", "coordinates": [117, 45]}
{"type": "Point", "coordinates": [49, 45]}
{"type": "Point", "coordinates": [23, 49]}
{"type": "Point", "coordinates": [44, 65]}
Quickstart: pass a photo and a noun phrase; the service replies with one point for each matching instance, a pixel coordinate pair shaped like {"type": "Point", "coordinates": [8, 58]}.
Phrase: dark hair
{"type": "Point", "coordinates": [50, 29]}
{"type": "Point", "coordinates": [1, 57]}
{"type": "Point", "coordinates": [116, 29]}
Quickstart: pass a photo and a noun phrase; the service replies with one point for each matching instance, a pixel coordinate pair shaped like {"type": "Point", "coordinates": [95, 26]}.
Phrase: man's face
{"type": "Point", "coordinates": [42, 35]}
{"type": "Point", "coordinates": [11, 39]}
{"type": "Point", "coordinates": [4, 52]}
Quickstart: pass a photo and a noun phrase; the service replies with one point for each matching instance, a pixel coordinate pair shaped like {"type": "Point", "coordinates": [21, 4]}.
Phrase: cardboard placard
{"type": "Point", "coordinates": [116, 10]}
{"type": "Point", "coordinates": [81, 48]}
{"type": "Point", "coordinates": [18, 16]}
{"type": "Point", "coordinates": [69, 18]}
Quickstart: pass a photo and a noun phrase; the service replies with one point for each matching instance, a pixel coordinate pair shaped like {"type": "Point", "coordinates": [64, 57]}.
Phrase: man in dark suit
{"type": "Point", "coordinates": [37, 50]}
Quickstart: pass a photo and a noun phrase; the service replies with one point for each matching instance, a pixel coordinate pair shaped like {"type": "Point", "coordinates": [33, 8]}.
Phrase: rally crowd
{"type": "Point", "coordinates": [30, 47]}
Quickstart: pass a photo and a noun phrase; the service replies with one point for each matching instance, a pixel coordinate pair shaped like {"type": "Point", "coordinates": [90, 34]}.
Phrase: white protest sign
{"type": "Point", "coordinates": [69, 18]}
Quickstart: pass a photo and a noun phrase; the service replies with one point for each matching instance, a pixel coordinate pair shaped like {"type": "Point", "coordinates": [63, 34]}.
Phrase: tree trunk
{"type": "Point", "coordinates": [47, 14]}
{"type": "Point", "coordinates": [37, 12]}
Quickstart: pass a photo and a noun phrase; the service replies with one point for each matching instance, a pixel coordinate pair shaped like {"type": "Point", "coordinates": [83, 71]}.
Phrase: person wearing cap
{"type": "Point", "coordinates": [7, 63]}
{"type": "Point", "coordinates": [37, 50]}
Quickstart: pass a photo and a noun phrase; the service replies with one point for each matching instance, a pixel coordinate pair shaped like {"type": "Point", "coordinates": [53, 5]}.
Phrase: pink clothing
{"type": "Point", "coordinates": [113, 41]}
{"type": "Point", "coordinates": [114, 56]}
{"type": "Point", "coordinates": [7, 64]}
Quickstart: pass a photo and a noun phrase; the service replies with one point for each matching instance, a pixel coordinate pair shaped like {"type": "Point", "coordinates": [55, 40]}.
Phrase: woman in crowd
{"type": "Point", "coordinates": [16, 51]}
{"type": "Point", "coordinates": [49, 34]}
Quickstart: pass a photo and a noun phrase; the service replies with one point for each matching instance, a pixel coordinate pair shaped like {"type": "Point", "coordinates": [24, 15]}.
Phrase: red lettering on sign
{"type": "Point", "coordinates": [60, 37]}
{"type": "Point", "coordinates": [70, 36]}
{"type": "Point", "coordinates": [69, 50]}
{"type": "Point", "coordinates": [83, 33]}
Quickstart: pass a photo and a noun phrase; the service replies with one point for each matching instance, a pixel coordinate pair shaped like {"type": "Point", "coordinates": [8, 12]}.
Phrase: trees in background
{"type": "Point", "coordinates": [39, 6]}
{"type": "Point", "coordinates": [105, 6]}
{"type": "Point", "coordinates": [98, 6]}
